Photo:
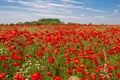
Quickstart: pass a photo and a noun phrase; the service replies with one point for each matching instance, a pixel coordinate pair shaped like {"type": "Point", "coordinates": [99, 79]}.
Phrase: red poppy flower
{"type": "Point", "coordinates": [6, 66]}
{"type": "Point", "coordinates": [55, 51]}
{"type": "Point", "coordinates": [36, 76]}
{"type": "Point", "coordinates": [13, 47]}
{"type": "Point", "coordinates": [18, 76]}
{"type": "Point", "coordinates": [90, 52]}
{"type": "Point", "coordinates": [76, 60]}
{"type": "Point", "coordinates": [68, 61]}
{"type": "Point", "coordinates": [19, 58]}
{"type": "Point", "coordinates": [95, 61]}
{"type": "Point", "coordinates": [51, 60]}
{"type": "Point", "coordinates": [118, 75]}
{"type": "Point", "coordinates": [83, 78]}
{"type": "Point", "coordinates": [13, 55]}
{"type": "Point", "coordinates": [3, 58]}
{"type": "Point", "coordinates": [2, 75]}
{"type": "Point", "coordinates": [79, 69]}
{"type": "Point", "coordinates": [69, 71]}
{"type": "Point", "coordinates": [39, 54]}
{"type": "Point", "coordinates": [92, 77]}
{"type": "Point", "coordinates": [67, 55]}
{"type": "Point", "coordinates": [47, 49]}
{"type": "Point", "coordinates": [15, 64]}
{"type": "Point", "coordinates": [19, 43]}
{"type": "Point", "coordinates": [19, 52]}
{"type": "Point", "coordinates": [49, 73]}
{"type": "Point", "coordinates": [57, 78]}
{"type": "Point", "coordinates": [57, 46]}
{"type": "Point", "coordinates": [101, 77]}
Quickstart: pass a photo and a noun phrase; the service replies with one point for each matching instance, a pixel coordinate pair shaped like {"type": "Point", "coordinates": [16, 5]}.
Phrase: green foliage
{"type": "Point", "coordinates": [51, 21]}
{"type": "Point", "coordinates": [71, 23]}
{"type": "Point", "coordinates": [19, 23]}
{"type": "Point", "coordinates": [48, 21]}
{"type": "Point", "coordinates": [2, 24]}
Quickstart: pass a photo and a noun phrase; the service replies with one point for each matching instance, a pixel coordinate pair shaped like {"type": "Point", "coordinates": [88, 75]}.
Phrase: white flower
{"type": "Point", "coordinates": [73, 78]}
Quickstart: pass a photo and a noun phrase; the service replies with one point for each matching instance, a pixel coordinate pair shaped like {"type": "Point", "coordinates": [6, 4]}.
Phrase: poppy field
{"type": "Point", "coordinates": [60, 52]}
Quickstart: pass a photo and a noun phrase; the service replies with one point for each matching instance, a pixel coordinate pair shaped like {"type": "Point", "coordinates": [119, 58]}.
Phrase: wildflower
{"type": "Point", "coordinates": [39, 54]}
{"type": "Point", "coordinates": [3, 58]}
{"type": "Point", "coordinates": [76, 60]}
{"type": "Point", "coordinates": [19, 52]}
{"type": "Point", "coordinates": [2, 75]}
{"type": "Point", "coordinates": [51, 60]}
{"type": "Point", "coordinates": [67, 55]}
{"type": "Point", "coordinates": [69, 71]}
{"type": "Point", "coordinates": [55, 51]}
{"type": "Point", "coordinates": [36, 76]}
{"type": "Point", "coordinates": [15, 64]}
{"type": "Point", "coordinates": [57, 78]}
{"type": "Point", "coordinates": [68, 61]}
{"type": "Point", "coordinates": [92, 77]}
{"type": "Point", "coordinates": [18, 76]}
{"type": "Point", "coordinates": [6, 66]}
{"type": "Point", "coordinates": [83, 78]}
{"type": "Point", "coordinates": [19, 43]}
{"type": "Point", "coordinates": [79, 69]}
{"type": "Point", "coordinates": [73, 78]}
{"type": "Point", "coordinates": [27, 55]}
{"type": "Point", "coordinates": [19, 58]}
{"type": "Point", "coordinates": [49, 73]}
{"type": "Point", "coordinates": [118, 75]}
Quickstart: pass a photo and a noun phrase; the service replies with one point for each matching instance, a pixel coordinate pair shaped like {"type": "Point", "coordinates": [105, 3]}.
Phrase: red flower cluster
{"type": "Point", "coordinates": [57, 52]}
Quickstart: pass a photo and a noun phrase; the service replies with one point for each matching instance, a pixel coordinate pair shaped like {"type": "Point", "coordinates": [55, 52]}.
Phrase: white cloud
{"type": "Point", "coordinates": [86, 8]}
{"type": "Point", "coordinates": [94, 10]}
{"type": "Point", "coordinates": [32, 4]}
{"type": "Point", "coordinates": [101, 17]}
{"type": "Point", "coordinates": [10, 0]}
{"type": "Point", "coordinates": [73, 1]}
{"type": "Point", "coordinates": [7, 12]}
{"type": "Point", "coordinates": [38, 10]}
{"type": "Point", "coordinates": [115, 12]}
{"type": "Point", "coordinates": [50, 5]}
{"type": "Point", "coordinates": [12, 17]}
{"type": "Point", "coordinates": [119, 5]}
{"type": "Point", "coordinates": [66, 10]}
{"type": "Point", "coordinates": [82, 15]}
{"type": "Point", "coordinates": [22, 8]}
{"type": "Point", "coordinates": [54, 4]}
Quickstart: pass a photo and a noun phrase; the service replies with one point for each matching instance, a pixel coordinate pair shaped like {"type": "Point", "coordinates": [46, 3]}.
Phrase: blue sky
{"type": "Point", "coordinates": [80, 11]}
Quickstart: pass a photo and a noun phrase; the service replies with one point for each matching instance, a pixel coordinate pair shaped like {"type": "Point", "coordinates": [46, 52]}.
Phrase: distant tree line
{"type": "Point", "coordinates": [43, 21]}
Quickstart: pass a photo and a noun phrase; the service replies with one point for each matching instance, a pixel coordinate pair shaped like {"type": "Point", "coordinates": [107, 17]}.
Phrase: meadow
{"type": "Point", "coordinates": [60, 52]}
